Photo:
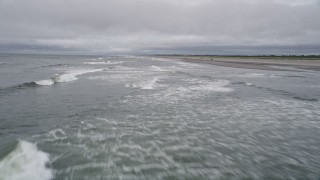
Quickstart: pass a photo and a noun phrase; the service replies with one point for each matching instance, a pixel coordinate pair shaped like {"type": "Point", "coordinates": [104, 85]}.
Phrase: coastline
{"type": "Point", "coordinates": [264, 63]}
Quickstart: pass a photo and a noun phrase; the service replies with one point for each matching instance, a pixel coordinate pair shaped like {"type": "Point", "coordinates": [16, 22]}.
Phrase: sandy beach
{"type": "Point", "coordinates": [267, 63]}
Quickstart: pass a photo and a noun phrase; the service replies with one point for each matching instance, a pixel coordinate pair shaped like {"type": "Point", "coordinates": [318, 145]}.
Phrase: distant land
{"type": "Point", "coordinates": [239, 50]}
{"type": "Point", "coordinates": [262, 62]}
{"type": "Point", "coordinates": [291, 57]}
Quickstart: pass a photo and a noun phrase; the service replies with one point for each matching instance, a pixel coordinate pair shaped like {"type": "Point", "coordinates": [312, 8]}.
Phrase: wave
{"type": "Point", "coordinates": [159, 69]}
{"type": "Point", "coordinates": [290, 94]}
{"type": "Point", "coordinates": [305, 97]}
{"type": "Point", "coordinates": [214, 86]}
{"type": "Point", "coordinates": [147, 85]}
{"type": "Point", "coordinates": [58, 78]}
{"type": "Point", "coordinates": [25, 162]}
{"type": "Point", "coordinates": [258, 75]}
{"type": "Point", "coordinates": [103, 63]}
{"type": "Point", "coordinates": [46, 82]}
{"type": "Point", "coordinates": [55, 65]}
{"type": "Point", "coordinates": [243, 83]}
{"type": "Point", "coordinates": [67, 77]}
{"type": "Point", "coordinates": [19, 86]}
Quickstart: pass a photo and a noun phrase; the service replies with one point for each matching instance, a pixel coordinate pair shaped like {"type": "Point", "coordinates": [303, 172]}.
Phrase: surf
{"type": "Point", "coordinates": [66, 77]}
{"type": "Point", "coordinates": [26, 161]}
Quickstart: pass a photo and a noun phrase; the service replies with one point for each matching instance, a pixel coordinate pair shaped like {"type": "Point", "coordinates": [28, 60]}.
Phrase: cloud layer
{"type": "Point", "coordinates": [139, 25]}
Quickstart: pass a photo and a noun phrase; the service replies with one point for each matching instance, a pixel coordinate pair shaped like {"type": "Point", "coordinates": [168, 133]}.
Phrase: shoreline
{"type": "Point", "coordinates": [268, 63]}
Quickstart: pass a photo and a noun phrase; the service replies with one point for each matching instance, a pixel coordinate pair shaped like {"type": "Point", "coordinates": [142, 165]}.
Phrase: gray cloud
{"type": "Point", "coordinates": [137, 25]}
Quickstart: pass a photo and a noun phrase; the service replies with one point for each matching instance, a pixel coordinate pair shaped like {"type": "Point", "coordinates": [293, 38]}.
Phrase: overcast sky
{"type": "Point", "coordinates": [139, 25]}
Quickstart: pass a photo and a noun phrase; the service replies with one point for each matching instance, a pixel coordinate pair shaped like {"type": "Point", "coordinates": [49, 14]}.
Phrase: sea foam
{"type": "Point", "coordinates": [25, 162]}
{"type": "Point", "coordinates": [146, 85]}
{"type": "Point", "coordinates": [214, 86]}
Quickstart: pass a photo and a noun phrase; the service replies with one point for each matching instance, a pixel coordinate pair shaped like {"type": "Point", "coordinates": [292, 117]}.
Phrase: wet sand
{"type": "Point", "coordinates": [279, 64]}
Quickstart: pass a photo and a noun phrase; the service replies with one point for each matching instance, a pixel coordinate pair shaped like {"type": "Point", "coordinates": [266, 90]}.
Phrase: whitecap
{"type": "Point", "coordinates": [57, 134]}
{"type": "Point", "coordinates": [25, 162]}
{"type": "Point", "coordinates": [47, 82]}
{"type": "Point", "coordinates": [159, 69]}
{"type": "Point", "coordinates": [197, 88]}
{"type": "Point", "coordinates": [94, 63]}
{"type": "Point", "coordinates": [147, 85]}
{"type": "Point", "coordinates": [65, 78]}
{"type": "Point", "coordinates": [103, 63]}
{"type": "Point", "coordinates": [215, 86]}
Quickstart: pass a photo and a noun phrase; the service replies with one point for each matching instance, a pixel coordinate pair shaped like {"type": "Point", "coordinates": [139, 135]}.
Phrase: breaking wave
{"type": "Point", "coordinates": [210, 86]}
{"type": "Point", "coordinates": [103, 63]}
{"type": "Point", "coordinates": [55, 65]}
{"type": "Point", "coordinates": [47, 82]}
{"type": "Point", "coordinates": [258, 75]}
{"type": "Point", "coordinates": [147, 85]}
{"type": "Point", "coordinates": [58, 78]}
{"type": "Point", "coordinates": [67, 77]}
{"type": "Point", "coordinates": [159, 69]}
{"type": "Point", "coordinates": [25, 162]}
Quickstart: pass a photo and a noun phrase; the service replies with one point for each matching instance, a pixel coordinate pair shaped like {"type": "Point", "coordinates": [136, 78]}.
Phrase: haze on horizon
{"type": "Point", "coordinates": [124, 26]}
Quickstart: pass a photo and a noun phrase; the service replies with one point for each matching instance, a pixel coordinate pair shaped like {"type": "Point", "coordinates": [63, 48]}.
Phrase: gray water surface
{"type": "Point", "coordinates": [88, 117]}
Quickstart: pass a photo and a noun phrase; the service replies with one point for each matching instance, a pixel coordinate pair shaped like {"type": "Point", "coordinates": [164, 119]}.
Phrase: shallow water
{"type": "Point", "coordinates": [89, 117]}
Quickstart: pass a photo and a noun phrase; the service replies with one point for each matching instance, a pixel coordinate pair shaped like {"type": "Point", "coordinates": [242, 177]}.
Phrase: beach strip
{"type": "Point", "coordinates": [250, 62]}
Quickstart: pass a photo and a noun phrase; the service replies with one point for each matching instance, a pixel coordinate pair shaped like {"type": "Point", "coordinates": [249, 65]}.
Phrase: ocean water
{"type": "Point", "coordinates": [127, 117]}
